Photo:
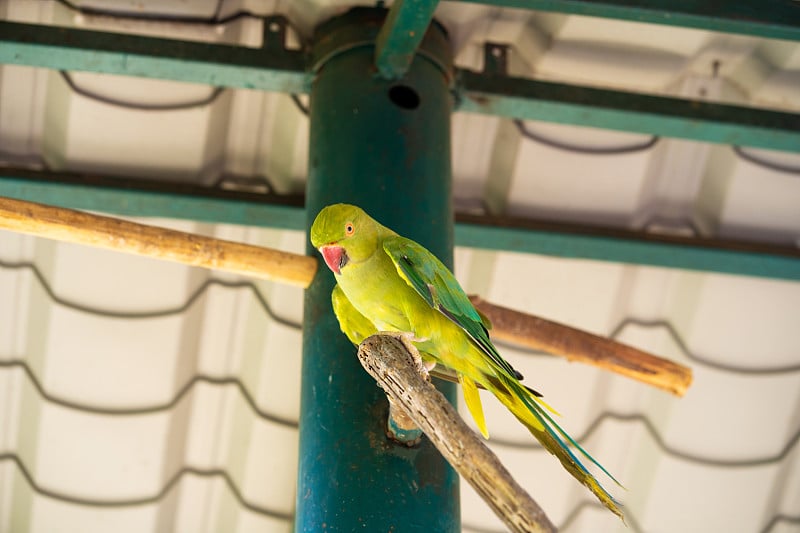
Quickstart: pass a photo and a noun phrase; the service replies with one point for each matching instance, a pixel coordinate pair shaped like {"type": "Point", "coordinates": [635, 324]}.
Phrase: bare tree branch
{"type": "Point", "coordinates": [125, 236]}
{"type": "Point", "coordinates": [577, 345]}
{"type": "Point", "coordinates": [397, 368]}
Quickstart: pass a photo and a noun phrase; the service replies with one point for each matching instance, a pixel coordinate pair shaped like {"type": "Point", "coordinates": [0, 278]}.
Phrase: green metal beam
{"type": "Point", "coordinates": [275, 69]}
{"type": "Point", "coordinates": [697, 120]}
{"type": "Point", "coordinates": [142, 198]}
{"type": "Point", "coordinates": [401, 35]}
{"type": "Point", "coordinates": [139, 198]}
{"type": "Point", "coordinates": [624, 246]}
{"type": "Point", "coordinates": [270, 68]}
{"type": "Point", "coordinates": [776, 19]}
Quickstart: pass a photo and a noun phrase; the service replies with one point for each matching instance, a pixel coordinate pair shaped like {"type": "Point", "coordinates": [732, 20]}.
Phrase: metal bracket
{"type": "Point", "coordinates": [275, 33]}
{"type": "Point", "coordinates": [495, 58]}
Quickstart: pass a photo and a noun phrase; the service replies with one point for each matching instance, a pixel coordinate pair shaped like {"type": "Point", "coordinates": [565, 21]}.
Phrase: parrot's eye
{"type": "Point", "coordinates": [349, 229]}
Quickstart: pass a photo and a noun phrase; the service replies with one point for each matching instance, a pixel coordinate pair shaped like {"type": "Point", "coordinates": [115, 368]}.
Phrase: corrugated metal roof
{"type": "Point", "coordinates": [139, 395]}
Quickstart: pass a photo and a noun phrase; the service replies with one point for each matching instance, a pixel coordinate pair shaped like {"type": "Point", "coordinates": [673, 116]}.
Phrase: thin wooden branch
{"type": "Point", "coordinates": [124, 236]}
{"type": "Point", "coordinates": [577, 345]}
{"type": "Point", "coordinates": [396, 367]}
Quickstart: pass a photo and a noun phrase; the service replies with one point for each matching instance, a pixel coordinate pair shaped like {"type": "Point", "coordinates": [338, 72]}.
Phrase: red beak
{"type": "Point", "coordinates": [335, 257]}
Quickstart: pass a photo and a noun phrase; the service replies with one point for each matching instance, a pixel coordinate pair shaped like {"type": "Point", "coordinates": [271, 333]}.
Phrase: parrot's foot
{"type": "Point", "coordinates": [399, 426]}
{"type": "Point", "coordinates": [408, 339]}
{"type": "Point", "coordinates": [405, 335]}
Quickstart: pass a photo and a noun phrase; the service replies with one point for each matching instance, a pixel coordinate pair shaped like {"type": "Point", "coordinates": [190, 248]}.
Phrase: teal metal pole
{"type": "Point", "coordinates": [385, 146]}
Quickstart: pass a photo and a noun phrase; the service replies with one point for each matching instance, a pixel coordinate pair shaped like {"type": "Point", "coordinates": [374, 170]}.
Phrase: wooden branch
{"type": "Point", "coordinates": [395, 365]}
{"type": "Point", "coordinates": [123, 236]}
{"type": "Point", "coordinates": [577, 345]}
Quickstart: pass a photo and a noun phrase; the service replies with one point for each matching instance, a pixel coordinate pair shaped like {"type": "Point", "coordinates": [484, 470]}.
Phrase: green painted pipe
{"type": "Point", "coordinates": [383, 145]}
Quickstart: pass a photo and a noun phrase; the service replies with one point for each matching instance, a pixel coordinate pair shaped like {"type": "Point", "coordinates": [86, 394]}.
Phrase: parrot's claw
{"type": "Point", "coordinates": [408, 339]}
{"type": "Point", "coordinates": [404, 335]}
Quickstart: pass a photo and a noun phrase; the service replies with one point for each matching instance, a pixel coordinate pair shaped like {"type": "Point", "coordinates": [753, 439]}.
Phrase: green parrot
{"type": "Point", "coordinates": [387, 283]}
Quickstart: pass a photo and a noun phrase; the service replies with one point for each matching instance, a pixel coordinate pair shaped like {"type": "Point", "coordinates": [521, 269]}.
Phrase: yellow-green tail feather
{"type": "Point", "coordinates": [526, 407]}
{"type": "Point", "coordinates": [473, 400]}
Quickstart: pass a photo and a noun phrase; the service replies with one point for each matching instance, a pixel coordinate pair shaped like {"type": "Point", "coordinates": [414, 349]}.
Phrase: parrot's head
{"type": "Point", "coordinates": [344, 234]}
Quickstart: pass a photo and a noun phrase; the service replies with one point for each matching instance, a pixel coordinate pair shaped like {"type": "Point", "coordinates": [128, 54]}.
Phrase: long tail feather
{"type": "Point", "coordinates": [526, 407]}
{"type": "Point", "coordinates": [473, 401]}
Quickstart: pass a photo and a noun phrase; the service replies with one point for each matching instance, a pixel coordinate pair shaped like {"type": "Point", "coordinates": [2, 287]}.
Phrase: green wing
{"type": "Point", "coordinates": [437, 285]}
{"type": "Point", "coordinates": [352, 323]}
{"type": "Point", "coordinates": [357, 328]}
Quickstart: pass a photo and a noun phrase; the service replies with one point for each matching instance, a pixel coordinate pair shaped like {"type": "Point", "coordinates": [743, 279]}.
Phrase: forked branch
{"type": "Point", "coordinates": [396, 367]}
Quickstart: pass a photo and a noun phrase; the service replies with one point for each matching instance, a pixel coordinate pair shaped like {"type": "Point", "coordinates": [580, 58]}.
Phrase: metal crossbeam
{"type": "Point", "coordinates": [147, 198]}
{"type": "Point", "coordinates": [268, 69]}
{"type": "Point", "coordinates": [627, 246]}
{"type": "Point", "coordinates": [139, 198]}
{"type": "Point", "coordinates": [777, 19]}
{"type": "Point", "coordinates": [657, 115]}
{"type": "Point", "coordinates": [277, 69]}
